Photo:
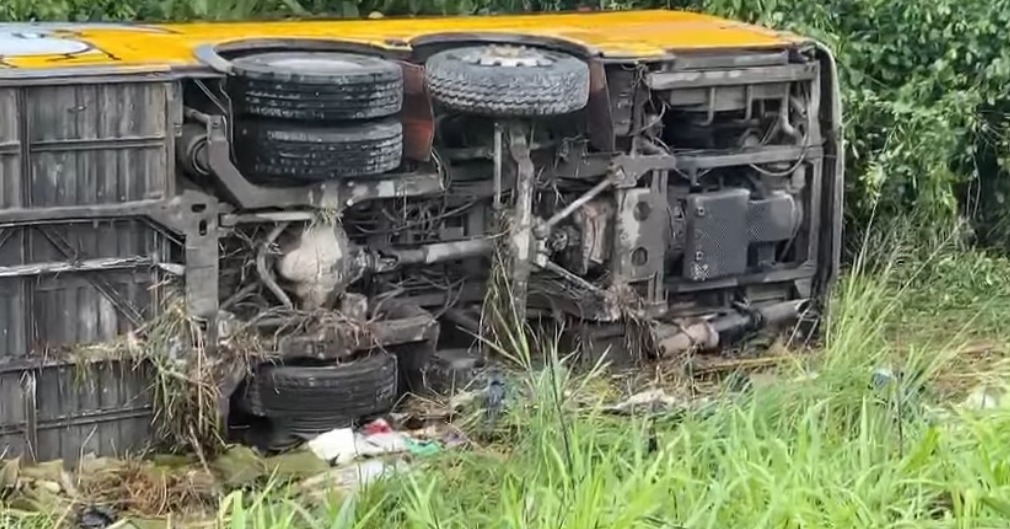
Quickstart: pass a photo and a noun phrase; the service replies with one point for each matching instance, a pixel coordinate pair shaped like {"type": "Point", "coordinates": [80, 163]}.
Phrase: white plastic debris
{"type": "Point", "coordinates": [380, 444]}
{"type": "Point", "coordinates": [350, 478]}
{"type": "Point", "coordinates": [369, 471]}
{"type": "Point", "coordinates": [335, 446]}
{"type": "Point", "coordinates": [984, 398]}
{"type": "Point", "coordinates": [343, 445]}
{"type": "Point", "coordinates": [654, 400]}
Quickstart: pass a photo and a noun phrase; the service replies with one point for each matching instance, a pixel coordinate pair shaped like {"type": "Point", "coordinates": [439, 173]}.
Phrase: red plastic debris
{"type": "Point", "coordinates": [377, 426]}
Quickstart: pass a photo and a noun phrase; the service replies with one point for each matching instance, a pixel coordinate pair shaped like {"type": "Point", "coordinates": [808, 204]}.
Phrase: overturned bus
{"type": "Point", "coordinates": [354, 191]}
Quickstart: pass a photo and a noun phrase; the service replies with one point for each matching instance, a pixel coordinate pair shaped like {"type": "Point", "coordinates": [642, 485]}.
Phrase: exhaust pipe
{"type": "Point", "coordinates": [724, 330]}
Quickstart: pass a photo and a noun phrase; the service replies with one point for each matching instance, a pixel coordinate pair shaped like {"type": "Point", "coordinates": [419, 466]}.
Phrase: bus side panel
{"type": "Point", "coordinates": [77, 263]}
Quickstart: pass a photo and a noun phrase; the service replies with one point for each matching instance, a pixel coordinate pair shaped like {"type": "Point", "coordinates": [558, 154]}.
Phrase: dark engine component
{"type": "Point", "coordinates": [708, 236]}
{"type": "Point", "coordinates": [727, 233]}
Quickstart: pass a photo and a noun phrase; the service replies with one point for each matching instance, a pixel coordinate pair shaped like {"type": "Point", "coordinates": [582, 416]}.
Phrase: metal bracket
{"type": "Point", "coordinates": [196, 215]}
{"type": "Point", "coordinates": [628, 169]}
{"type": "Point", "coordinates": [521, 235]}
{"type": "Point", "coordinates": [677, 80]}
{"type": "Point", "coordinates": [625, 172]}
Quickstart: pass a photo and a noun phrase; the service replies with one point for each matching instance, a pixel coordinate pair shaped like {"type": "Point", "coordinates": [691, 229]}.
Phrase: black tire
{"type": "Point", "coordinates": [316, 86]}
{"type": "Point", "coordinates": [249, 398]}
{"type": "Point", "coordinates": [467, 80]}
{"type": "Point", "coordinates": [279, 153]}
{"type": "Point", "coordinates": [336, 393]}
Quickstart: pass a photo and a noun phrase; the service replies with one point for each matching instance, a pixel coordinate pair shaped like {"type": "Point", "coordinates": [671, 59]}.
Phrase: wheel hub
{"type": "Point", "coordinates": [508, 56]}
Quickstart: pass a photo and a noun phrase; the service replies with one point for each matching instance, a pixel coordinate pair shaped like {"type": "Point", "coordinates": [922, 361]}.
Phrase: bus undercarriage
{"type": "Point", "coordinates": [362, 209]}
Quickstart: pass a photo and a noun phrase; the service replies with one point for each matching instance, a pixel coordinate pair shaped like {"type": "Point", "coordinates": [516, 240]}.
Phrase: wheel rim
{"type": "Point", "coordinates": [507, 56]}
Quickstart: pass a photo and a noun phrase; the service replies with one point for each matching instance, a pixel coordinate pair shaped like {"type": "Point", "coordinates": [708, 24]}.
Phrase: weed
{"type": "Point", "coordinates": [824, 447]}
{"type": "Point", "coordinates": [185, 372]}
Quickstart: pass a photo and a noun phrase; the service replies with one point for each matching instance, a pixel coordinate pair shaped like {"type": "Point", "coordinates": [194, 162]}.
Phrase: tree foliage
{"type": "Point", "coordinates": [925, 84]}
{"type": "Point", "coordinates": [925, 94]}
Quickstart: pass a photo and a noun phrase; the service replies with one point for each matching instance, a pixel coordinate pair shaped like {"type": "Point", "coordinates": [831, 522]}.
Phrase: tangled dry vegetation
{"type": "Point", "coordinates": [871, 425]}
{"type": "Point", "coordinates": [143, 488]}
{"type": "Point", "coordinates": [186, 372]}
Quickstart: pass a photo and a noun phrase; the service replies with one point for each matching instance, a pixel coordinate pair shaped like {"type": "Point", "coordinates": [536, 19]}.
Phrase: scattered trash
{"type": "Point", "coordinates": [357, 456]}
{"type": "Point", "coordinates": [445, 435]}
{"type": "Point", "coordinates": [422, 448]}
{"type": "Point", "coordinates": [334, 446]}
{"type": "Point", "coordinates": [344, 445]}
{"type": "Point", "coordinates": [494, 397]}
{"type": "Point", "coordinates": [984, 398]}
{"type": "Point", "coordinates": [349, 478]}
{"type": "Point", "coordinates": [377, 426]}
{"type": "Point", "coordinates": [380, 444]}
{"type": "Point", "coordinates": [651, 401]}
{"type": "Point", "coordinates": [96, 517]}
{"type": "Point", "coordinates": [145, 491]}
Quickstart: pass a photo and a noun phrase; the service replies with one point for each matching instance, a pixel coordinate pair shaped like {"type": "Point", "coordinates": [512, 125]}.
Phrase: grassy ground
{"type": "Point", "coordinates": [830, 451]}
{"type": "Point", "coordinates": [824, 451]}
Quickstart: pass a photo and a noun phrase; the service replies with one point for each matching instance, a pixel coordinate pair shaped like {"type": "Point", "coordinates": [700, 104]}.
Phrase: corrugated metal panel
{"type": "Point", "coordinates": [10, 149]}
{"type": "Point", "coordinates": [80, 145]}
{"type": "Point", "coordinates": [102, 144]}
{"type": "Point", "coordinates": [101, 408]}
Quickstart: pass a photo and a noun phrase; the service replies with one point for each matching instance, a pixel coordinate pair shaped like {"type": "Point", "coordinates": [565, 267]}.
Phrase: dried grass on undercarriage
{"type": "Point", "coordinates": [501, 324]}
{"type": "Point", "coordinates": [185, 372]}
{"type": "Point", "coordinates": [499, 320]}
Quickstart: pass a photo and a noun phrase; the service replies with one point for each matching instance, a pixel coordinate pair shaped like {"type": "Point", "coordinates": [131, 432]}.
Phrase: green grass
{"type": "Point", "coordinates": [824, 452]}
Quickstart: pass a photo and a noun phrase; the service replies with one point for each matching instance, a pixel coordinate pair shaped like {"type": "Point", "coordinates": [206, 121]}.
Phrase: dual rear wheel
{"type": "Point", "coordinates": [308, 117]}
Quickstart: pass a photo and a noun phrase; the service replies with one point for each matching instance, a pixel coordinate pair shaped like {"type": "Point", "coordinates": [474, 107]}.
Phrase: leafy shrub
{"type": "Point", "coordinates": [926, 101]}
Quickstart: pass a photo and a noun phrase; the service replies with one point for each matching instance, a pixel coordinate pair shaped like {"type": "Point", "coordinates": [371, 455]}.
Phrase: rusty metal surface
{"type": "Point", "coordinates": [598, 110]}
{"type": "Point", "coordinates": [72, 278]}
{"type": "Point", "coordinates": [418, 116]}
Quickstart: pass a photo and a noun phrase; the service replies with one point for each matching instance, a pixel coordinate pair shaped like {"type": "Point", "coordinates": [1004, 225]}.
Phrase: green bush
{"type": "Point", "coordinates": [924, 84]}
{"type": "Point", "coordinates": [925, 98]}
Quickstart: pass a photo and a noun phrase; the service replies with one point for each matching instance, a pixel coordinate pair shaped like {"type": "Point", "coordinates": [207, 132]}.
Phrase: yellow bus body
{"type": "Point", "coordinates": [619, 35]}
